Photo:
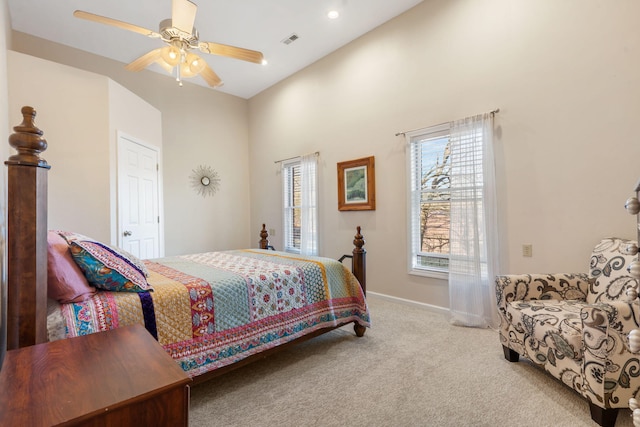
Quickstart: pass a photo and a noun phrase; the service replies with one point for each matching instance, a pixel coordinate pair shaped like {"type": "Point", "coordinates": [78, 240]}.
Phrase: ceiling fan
{"type": "Point", "coordinates": [180, 37]}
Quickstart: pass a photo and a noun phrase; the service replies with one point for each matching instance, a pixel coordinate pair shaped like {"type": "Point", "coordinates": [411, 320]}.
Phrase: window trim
{"type": "Point", "coordinates": [286, 166]}
{"type": "Point", "coordinates": [428, 132]}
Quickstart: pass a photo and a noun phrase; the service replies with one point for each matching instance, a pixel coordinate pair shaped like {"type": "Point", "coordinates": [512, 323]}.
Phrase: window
{"type": "Point", "coordinates": [438, 158]}
{"type": "Point", "coordinates": [430, 195]}
{"type": "Point", "coordinates": [299, 178]}
{"type": "Point", "coordinates": [292, 206]}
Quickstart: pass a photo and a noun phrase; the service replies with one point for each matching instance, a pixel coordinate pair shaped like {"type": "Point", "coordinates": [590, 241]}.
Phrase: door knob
{"type": "Point", "coordinates": [127, 233]}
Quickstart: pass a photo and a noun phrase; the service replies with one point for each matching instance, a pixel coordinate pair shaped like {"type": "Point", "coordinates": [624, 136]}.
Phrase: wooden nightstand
{"type": "Point", "coordinates": [121, 377]}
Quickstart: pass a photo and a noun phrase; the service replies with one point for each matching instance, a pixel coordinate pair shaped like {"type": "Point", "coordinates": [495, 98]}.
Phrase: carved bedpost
{"type": "Point", "coordinates": [264, 242]}
{"type": "Point", "coordinates": [27, 235]}
{"type": "Point", "coordinates": [359, 269]}
{"type": "Point", "coordinates": [359, 266]}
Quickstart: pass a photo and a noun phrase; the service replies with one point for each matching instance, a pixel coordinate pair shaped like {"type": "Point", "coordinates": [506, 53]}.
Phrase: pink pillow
{"type": "Point", "coordinates": [66, 283]}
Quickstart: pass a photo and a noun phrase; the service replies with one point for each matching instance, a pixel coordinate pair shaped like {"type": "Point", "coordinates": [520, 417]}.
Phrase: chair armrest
{"type": "Point", "coordinates": [609, 367]}
{"type": "Point", "coordinates": [525, 287]}
{"type": "Point", "coordinates": [618, 316]}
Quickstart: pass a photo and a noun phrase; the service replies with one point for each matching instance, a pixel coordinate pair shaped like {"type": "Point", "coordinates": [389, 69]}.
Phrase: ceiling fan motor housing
{"type": "Point", "coordinates": [170, 33]}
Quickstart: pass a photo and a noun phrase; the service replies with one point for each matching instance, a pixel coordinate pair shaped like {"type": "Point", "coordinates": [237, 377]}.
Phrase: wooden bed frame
{"type": "Point", "coordinates": [26, 246]}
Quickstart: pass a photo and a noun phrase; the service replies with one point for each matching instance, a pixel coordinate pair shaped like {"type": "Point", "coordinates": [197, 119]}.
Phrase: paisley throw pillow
{"type": "Point", "coordinates": [106, 267]}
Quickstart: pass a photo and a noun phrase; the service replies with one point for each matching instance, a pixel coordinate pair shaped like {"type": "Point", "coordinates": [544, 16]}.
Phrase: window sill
{"type": "Point", "coordinates": [430, 273]}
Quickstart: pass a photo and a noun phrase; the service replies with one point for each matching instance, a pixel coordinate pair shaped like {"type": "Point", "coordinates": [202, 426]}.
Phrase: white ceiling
{"type": "Point", "coordinates": [253, 24]}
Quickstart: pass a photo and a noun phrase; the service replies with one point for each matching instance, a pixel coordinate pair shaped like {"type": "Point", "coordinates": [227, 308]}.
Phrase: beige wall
{"type": "Point", "coordinates": [199, 127]}
{"type": "Point", "coordinates": [566, 77]}
{"type": "Point", "coordinates": [5, 37]}
{"type": "Point", "coordinates": [78, 194]}
{"type": "Point", "coordinates": [5, 41]}
{"type": "Point", "coordinates": [80, 113]}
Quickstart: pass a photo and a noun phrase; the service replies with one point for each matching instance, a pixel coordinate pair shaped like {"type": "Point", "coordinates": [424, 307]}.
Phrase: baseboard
{"type": "Point", "coordinates": [425, 306]}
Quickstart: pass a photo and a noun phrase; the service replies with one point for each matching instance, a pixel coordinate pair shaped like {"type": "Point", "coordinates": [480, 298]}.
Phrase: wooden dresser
{"type": "Point", "coordinates": [121, 377]}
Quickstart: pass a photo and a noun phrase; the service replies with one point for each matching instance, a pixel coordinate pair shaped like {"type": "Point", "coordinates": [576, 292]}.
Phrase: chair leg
{"type": "Point", "coordinates": [604, 417]}
{"type": "Point", "coordinates": [510, 355]}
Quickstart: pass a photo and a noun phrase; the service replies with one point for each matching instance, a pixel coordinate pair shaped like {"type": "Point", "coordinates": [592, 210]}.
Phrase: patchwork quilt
{"type": "Point", "coordinates": [213, 309]}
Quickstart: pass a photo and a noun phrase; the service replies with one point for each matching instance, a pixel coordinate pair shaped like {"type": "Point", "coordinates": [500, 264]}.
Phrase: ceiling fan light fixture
{"type": "Point", "coordinates": [195, 63]}
{"type": "Point", "coordinates": [186, 71]}
{"type": "Point", "coordinates": [171, 55]}
{"type": "Point", "coordinates": [168, 68]}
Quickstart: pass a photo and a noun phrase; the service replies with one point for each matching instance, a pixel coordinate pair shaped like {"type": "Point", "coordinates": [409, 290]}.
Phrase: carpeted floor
{"type": "Point", "coordinates": [410, 369]}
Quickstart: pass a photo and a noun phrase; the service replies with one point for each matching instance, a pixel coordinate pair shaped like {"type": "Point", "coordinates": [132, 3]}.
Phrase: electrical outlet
{"type": "Point", "coordinates": [527, 250]}
{"type": "Point", "coordinates": [272, 232]}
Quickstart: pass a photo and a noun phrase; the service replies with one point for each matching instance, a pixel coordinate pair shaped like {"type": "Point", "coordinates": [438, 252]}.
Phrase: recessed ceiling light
{"type": "Point", "coordinates": [333, 14]}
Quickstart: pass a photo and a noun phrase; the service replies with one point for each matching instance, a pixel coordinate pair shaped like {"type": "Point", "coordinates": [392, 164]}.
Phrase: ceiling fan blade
{"type": "Point", "coordinates": [144, 61]}
{"type": "Point", "coordinates": [210, 76]}
{"type": "Point", "coordinates": [183, 15]}
{"type": "Point", "coordinates": [231, 51]}
{"type": "Point", "coordinates": [114, 22]}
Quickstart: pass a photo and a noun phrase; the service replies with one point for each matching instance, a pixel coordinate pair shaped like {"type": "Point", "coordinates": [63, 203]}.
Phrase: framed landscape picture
{"type": "Point", "coordinates": [357, 185]}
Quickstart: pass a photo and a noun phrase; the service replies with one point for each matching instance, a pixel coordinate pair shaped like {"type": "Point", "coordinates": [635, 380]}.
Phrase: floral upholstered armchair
{"type": "Point", "coordinates": [577, 327]}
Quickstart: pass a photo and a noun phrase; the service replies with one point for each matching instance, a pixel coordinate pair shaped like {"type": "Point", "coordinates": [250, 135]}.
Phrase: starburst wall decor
{"type": "Point", "coordinates": [205, 181]}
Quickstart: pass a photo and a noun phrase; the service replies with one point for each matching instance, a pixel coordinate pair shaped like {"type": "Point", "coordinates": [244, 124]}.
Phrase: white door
{"type": "Point", "coordinates": [138, 198]}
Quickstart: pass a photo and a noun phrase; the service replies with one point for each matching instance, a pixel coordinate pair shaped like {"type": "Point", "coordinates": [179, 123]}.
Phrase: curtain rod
{"type": "Point", "coordinates": [492, 112]}
{"type": "Point", "coordinates": [317, 153]}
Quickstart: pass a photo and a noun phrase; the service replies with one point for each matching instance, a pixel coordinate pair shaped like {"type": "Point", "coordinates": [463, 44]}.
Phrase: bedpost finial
{"type": "Point", "coordinates": [27, 139]}
{"type": "Point", "coordinates": [358, 240]}
{"type": "Point", "coordinates": [264, 242]}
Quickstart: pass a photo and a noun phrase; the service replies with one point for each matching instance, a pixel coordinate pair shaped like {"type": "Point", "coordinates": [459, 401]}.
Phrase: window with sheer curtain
{"type": "Point", "coordinates": [299, 178]}
{"type": "Point", "coordinates": [453, 218]}
{"type": "Point", "coordinates": [474, 252]}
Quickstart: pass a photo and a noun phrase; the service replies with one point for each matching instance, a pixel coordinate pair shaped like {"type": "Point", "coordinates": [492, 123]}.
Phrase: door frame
{"type": "Point", "coordinates": [122, 138]}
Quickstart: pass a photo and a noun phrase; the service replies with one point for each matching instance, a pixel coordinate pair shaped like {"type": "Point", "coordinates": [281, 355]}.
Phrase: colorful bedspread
{"type": "Point", "coordinates": [213, 309]}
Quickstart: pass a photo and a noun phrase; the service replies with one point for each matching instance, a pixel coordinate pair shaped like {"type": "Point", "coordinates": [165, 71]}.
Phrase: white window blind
{"type": "Point", "coordinates": [292, 205]}
{"type": "Point", "coordinates": [429, 169]}
{"type": "Point", "coordinates": [467, 200]}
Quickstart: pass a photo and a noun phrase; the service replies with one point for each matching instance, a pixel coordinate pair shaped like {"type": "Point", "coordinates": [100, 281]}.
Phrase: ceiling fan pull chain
{"type": "Point", "coordinates": [178, 75]}
{"type": "Point", "coordinates": [183, 57]}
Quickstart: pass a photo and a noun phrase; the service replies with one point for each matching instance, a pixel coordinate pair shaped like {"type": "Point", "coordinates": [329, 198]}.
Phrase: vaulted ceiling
{"type": "Point", "coordinates": [253, 24]}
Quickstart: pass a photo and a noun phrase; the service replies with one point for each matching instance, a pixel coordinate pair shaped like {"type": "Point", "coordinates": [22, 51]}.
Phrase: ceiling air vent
{"type": "Point", "coordinates": [293, 37]}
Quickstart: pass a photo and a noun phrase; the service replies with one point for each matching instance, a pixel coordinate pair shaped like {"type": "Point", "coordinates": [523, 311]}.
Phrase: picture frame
{"type": "Point", "coordinates": [357, 185]}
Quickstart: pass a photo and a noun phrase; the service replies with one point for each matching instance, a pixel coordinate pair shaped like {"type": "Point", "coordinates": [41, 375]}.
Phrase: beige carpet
{"type": "Point", "coordinates": [410, 369]}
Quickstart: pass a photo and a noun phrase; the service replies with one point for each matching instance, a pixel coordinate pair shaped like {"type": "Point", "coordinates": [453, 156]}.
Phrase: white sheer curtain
{"type": "Point", "coordinates": [309, 204]}
{"type": "Point", "coordinates": [474, 256]}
